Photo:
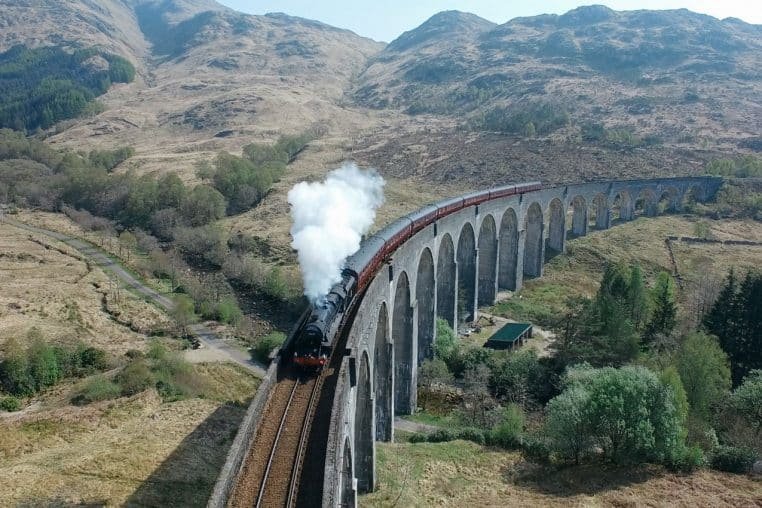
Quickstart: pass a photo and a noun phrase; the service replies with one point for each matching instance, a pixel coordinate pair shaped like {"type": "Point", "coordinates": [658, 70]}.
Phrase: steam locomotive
{"type": "Point", "coordinates": [314, 344]}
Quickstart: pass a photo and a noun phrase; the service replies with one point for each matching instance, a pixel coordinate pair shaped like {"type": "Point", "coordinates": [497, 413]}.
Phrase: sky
{"type": "Point", "coordinates": [385, 20]}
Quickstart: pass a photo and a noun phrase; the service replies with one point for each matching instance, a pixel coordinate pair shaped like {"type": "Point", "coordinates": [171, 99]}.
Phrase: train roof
{"type": "Point", "coordinates": [523, 185]}
{"type": "Point", "coordinates": [449, 201]}
{"type": "Point", "coordinates": [360, 259]}
{"type": "Point", "coordinates": [503, 187]}
{"type": "Point", "coordinates": [422, 212]}
{"type": "Point", "coordinates": [475, 194]}
{"type": "Point", "coordinates": [395, 227]}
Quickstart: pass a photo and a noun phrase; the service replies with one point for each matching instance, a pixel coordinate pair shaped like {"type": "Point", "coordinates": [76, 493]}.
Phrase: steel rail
{"type": "Point", "coordinates": [275, 445]}
{"type": "Point", "coordinates": [296, 472]}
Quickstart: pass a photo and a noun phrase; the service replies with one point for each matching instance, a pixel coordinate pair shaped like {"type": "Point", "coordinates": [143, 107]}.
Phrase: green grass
{"type": "Point", "coordinates": [538, 302]}
{"type": "Point", "coordinates": [402, 469]}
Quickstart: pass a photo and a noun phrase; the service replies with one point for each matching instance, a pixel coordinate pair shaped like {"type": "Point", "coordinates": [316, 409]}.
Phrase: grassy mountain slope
{"type": "Point", "coordinates": [208, 79]}
{"type": "Point", "coordinates": [589, 94]}
{"type": "Point", "coordinates": [671, 74]}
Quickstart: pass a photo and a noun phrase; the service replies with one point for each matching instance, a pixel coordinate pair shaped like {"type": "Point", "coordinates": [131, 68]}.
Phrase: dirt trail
{"type": "Point", "coordinates": [207, 337]}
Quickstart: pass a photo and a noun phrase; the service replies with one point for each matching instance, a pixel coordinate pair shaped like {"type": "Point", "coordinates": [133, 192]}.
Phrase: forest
{"type": "Point", "coordinates": [42, 86]}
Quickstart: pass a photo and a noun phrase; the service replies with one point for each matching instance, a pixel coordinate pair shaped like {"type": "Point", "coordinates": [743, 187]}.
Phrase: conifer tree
{"type": "Point", "coordinates": [638, 298]}
{"type": "Point", "coordinates": [719, 321]}
{"type": "Point", "coordinates": [664, 316]}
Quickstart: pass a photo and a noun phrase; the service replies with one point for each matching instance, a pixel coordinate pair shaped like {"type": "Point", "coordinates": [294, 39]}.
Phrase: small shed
{"type": "Point", "coordinates": [509, 336]}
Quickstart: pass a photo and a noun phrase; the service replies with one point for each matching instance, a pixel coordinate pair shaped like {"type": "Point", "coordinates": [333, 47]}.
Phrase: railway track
{"type": "Point", "coordinates": [271, 473]}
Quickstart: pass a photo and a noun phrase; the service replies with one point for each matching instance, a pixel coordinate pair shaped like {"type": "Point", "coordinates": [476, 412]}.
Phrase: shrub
{"type": "Point", "coordinates": [446, 344]}
{"type": "Point", "coordinates": [156, 350]}
{"type": "Point", "coordinates": [228, 311]}
{"type": "Point", "coordinates": [14, 370]}
{"type": "Point", "coordinates": [418, 437]}
{"type": "Point", "coordinates": [507, 433]}
{"type": "Point", "coordinates": [264, 346]}
{"type": "Point", "coordinates": [10, 404]}
{"type": "Point", "coordinates": [536, 449]}
{"type": "Point", "coordinates": [733, 459]}
{"type": "Point", "coordinates": [135, 378]}
{"type": "Point", "coordinates": [747, 400]}
{"type": "Point", "coordinates": [471, 434]}
{"type": "Point", "coordinates": [92, 359]}
{"type": "Point", "coordinates": [96, 389]}
{"type": "Point", "coordinates": [627, 412]}
{"type": "Point", "coordinates": [444, 435]}
{"type": "Point", "coordinates": [134, 354]}
{"type": "Point", "coordinates": [43, 365]}
{"type": "Point", "coordinates": [687, 459]}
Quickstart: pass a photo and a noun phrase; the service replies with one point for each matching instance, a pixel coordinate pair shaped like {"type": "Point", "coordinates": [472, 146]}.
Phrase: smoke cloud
{"type": "Point", "coordinates": [329, 219]}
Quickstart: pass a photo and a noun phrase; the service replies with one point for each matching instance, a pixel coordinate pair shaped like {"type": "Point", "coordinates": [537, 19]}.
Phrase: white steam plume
{"type": "Point", "coordinates": [330, 218]}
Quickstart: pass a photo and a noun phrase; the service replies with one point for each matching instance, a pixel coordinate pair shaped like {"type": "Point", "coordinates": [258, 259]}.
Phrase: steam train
{"type": "Point", "coordinates": [314, 343]}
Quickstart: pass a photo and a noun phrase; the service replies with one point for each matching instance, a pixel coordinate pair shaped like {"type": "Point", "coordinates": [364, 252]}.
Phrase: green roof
{"type": "Point", "coordinates": [510, 332]}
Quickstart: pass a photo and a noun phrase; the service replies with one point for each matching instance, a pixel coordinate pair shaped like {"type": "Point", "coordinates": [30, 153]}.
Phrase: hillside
{"type": "Point", "coordinates": [671, 83]}
{"type": "Point", "coordinates": [597, 64]}
{"type": "Point", "coordinates": [594, 89]}
{"type": "Point", "coordinates": [208, 78]}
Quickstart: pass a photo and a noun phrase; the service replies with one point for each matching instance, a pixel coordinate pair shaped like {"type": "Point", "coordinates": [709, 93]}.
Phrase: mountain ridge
{"type": "Point", "coordinates": [212, 79]}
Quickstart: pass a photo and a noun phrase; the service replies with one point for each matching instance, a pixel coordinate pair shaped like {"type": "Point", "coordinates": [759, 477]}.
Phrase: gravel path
{"type": "Point", "coordinates": [408, 426]}
{"type": "Point", "coordinates": [207, 337]}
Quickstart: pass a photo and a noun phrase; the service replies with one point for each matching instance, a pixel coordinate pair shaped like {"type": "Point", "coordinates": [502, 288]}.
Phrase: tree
{"type": "Point", "coordinates": [567, 424]}
{"type": "Point", "coordinates": [478, 406]}
{"type": "Point", "coordinates": [514, 378]}
{"type": "Point", "coordinates": [747, 400]}
{"type": "Point", "coordinates": [670, 378]}
{"type": "Point", "coordinates": [749, 347]}
{"type": "Point", "coordinates": [736, 319]}
{"type": "Point", "coordinates": [446, 344]}
{"type": "Point", "coordinates": [627, 412]}
{"type": "Point", "coordinates": [183, 312]}
{"type": "Point", "coordinates": [142, 201]}
{"type": "Point", "coordinates": [664, 315]}
{"type": "Point", "coordinates": [14, 370]}
{"type": "Point", "coordinates": [704, 371]}
{"type": "Point", "coordinates": [431, 372]}
{"type": "Point", "coordinates": [203, 205]}
{"type": "Point", "coordinates": [637, 298]}
{"type": "Point", "coordinates": [722, 319]}
{"type": "Point", "coordinates": [597, 331]}
{"type": "Point", "coordinates": [171, 191]}
{"type": "Point", "coordinates": [128, 241]}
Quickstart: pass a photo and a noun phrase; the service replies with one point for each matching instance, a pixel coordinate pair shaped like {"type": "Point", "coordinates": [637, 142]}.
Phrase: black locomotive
{"type": "Point", "coordinates": [313, 347]}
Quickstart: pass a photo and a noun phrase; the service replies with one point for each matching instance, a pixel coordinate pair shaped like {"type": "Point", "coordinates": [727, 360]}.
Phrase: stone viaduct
{"type": "Point", "coordinates": [465, 257]}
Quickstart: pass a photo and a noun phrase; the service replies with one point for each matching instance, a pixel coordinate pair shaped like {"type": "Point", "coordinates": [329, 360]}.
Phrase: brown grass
{"type": "Point", "coordinates": [641, 241]}
{"type": "Point", "coordinates": [63, 296]}
{"type": "Point", "coordinates": [136, 451]}
{"type": "Point", "coordinates": [464, 474]}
